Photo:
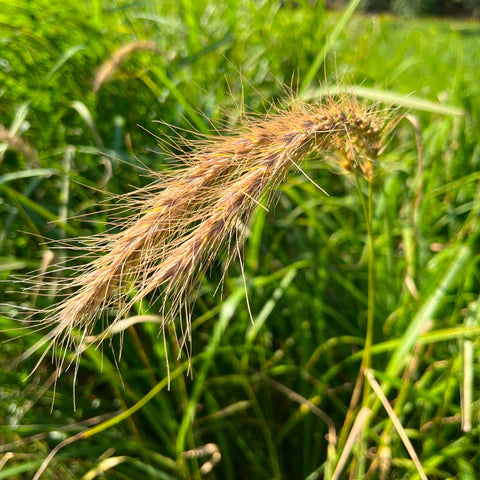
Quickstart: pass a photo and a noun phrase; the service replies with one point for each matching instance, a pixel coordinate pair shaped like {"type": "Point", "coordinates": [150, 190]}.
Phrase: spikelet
{"type": "Point", "coordinates": [183, 219]}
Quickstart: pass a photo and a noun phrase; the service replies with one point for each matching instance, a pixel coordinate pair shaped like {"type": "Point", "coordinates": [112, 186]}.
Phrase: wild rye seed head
{"type": "Point", "coordinates": [184, 218]}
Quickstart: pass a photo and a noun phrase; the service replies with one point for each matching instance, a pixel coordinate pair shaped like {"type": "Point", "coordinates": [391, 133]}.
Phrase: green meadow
{"type": "Point", "coordinates": [384, 275]}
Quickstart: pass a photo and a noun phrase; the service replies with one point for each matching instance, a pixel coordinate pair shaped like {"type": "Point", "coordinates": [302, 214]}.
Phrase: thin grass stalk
{"type": "Point", "coordinates": [367, 208]}
{"type": "Point", "coordinates": [399, 402]}
{"type": "Point", "coordinates": [396, 422]}
{"type": "Point", "coordinates": [367, 358]}
{"type": "Point", "coordinates": [360, 456]}
{"type": "Point", "coordinates": [466, 389]}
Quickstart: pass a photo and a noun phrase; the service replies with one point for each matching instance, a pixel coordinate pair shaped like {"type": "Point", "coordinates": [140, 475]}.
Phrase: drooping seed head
{"type": "Point", "coordinates": [184, 218]}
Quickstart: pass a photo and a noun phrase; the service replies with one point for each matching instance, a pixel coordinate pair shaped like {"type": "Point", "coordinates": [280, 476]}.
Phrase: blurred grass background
{"type": "Point", "coordinates": [264, 394]}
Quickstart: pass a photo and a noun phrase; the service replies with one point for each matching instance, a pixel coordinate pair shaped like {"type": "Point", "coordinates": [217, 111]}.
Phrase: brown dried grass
{"type": "Point", "coordinates": [108, 68]}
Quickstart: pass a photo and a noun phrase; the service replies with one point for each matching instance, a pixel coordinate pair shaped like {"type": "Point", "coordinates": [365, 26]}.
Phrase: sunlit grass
{"type": "Point", "coordinates": [266, 394]}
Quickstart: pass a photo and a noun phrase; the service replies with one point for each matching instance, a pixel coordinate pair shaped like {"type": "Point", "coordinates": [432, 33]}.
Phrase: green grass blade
{"type": "Point", "coordinates": [226, 314]}
{"type": "Point", "coordinates": [387, 97]}
{"type": "Point", "coordinates": [31, 172]}
{"type": "Point", "coordinates": [400, 355]}
{"type": "Point", "coordinates": [318, 61]}
{"type": "Point", "coordinates": [267, 309]}
{"type": "Point", "coordinates": [36, 207]}
{"type": "Point", "coordinates": [64, 59]}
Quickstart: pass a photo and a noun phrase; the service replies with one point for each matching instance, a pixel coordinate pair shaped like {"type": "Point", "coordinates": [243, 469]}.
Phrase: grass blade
{"type": "Point", "coordinates": [32, 172]}
{"type": "Point", "coordinates": [318, 61]}
{"type": "Point", "coordinates": [387, 97]}
{"type": "Point", "coordinates": [396, 422]}
{"type": "Point", "coordinates": [400, 356]}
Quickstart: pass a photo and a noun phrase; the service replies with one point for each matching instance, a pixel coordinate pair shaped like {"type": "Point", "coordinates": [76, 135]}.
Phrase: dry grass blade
{"type": "Point", "coordinates": [103, 466]}
{"type": "Point", "coordinates": [396, 422]}
{"type": "Point", "coordinates": [54, 451]}
{"type": "Point", "coordinates": [355, 432]}
{"type": "Point", "coordinates": [3, 461]}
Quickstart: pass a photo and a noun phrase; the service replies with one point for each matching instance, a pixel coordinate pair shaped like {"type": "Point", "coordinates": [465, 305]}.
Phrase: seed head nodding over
{"type": "Point", "coordinates": [185, 217]}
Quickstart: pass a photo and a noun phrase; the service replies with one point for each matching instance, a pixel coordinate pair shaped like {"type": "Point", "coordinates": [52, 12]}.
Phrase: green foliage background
{"type": "Point", "coordinates": [305, 260]}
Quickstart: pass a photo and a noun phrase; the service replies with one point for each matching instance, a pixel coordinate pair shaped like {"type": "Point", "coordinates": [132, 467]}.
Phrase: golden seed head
{"type": "Point", "coordinates": [183, 219]}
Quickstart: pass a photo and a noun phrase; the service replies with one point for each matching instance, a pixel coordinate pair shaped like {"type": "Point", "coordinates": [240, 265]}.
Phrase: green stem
{"type": "Point", "coordinates": [371, 284]}
{"type": "Point", "coordinates": [367, 352]}
{"type": "Point", "coordinates": [368, 212]}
